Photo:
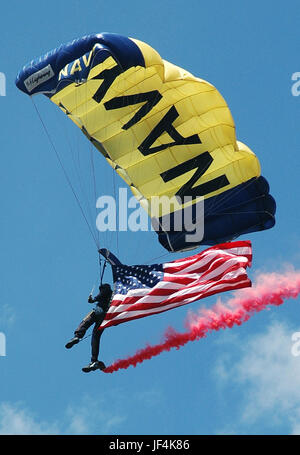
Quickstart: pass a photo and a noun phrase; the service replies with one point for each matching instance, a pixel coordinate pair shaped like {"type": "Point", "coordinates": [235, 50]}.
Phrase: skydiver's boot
{"type": "Point", "coordinates": [92, 366]}
{"type": "Point", "coordinates": [71, 343]}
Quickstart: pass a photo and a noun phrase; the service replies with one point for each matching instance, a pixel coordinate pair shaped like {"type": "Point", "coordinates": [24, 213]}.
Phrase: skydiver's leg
{"type": "Point", "coordinates": [82, 328]}
{"type": "Point", "coordinates": [95, 364]}
{"type": "Point", "coordinates": [95, 342]}
{"type": "Point", "coordinates": [85, 324]}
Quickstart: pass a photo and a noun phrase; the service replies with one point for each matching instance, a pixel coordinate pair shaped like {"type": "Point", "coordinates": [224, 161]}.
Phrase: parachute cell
{"type": "Point", "coordinates": [166, 132]}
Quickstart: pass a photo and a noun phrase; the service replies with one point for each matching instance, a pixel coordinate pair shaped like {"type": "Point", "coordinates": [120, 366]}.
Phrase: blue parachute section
{"type": "Point", "coordinates": [41, 75]}
{"type": "Point", "coordinates": [247, 208]}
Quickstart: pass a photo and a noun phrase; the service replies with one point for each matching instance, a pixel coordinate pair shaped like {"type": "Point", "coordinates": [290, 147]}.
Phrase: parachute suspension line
{"type": "Point", "coordinates": [65, 173]}
{"type": "Point", "coordinates": [103, 270]}
{"type": "Point", "coordinates": [117, 213]}
{"type": "Point", "coordinates": [100, 265]}
{"type": "Point", "coordinates": [74, 156]}
{"type": "Point", "coordinates": [95, 190]}
{"type": "Point", "coordinates": [92, 170]}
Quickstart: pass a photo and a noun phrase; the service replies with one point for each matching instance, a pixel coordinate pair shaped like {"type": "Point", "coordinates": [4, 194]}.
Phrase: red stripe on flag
{"type": "Point", "coordinates": [217, 269]}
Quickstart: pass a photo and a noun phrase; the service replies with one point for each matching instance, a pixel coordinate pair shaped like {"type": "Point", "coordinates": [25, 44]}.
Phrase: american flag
{"type": "Point", "coordinates": [143, 290]}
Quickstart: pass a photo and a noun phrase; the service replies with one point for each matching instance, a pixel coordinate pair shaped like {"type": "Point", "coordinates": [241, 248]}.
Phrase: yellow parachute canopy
{"type": "Point", "coordinates": [164, 131]}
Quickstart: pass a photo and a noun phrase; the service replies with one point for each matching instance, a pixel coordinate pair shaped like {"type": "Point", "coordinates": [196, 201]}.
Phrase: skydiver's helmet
{"type": "Point", "coordinates": [105, 289]}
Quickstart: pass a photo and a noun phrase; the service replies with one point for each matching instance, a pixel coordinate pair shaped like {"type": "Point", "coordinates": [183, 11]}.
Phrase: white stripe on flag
{"type": "Point", "coordinates": [127, 315]}
{"type": "Point", "coordinates": [182, 293]}
{"type": "Point", "coordinates": [221, 270]}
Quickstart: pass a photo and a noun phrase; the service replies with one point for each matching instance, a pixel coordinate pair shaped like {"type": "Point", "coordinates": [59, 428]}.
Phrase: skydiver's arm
{"type": "Point", "coordinates": [97, 298]}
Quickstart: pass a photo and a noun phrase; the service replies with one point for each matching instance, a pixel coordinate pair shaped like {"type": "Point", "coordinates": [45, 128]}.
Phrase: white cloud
{"type": "Point", "coordinates": [89, 417]}
{"type": "Point", "coordinates": [15, 420]}
{"type": "Point", "coordinates": [295, 421]}
{"type": "Point", "coordinates": [7, 315]}
{"type": "Point", "coordinates": [92, 417]}
{"type": "Point", "coordinates": [267, 376]}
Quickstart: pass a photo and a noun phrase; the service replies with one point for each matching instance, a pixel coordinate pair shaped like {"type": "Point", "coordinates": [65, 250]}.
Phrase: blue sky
{"type": "Point", "coordinates": [240, 381]}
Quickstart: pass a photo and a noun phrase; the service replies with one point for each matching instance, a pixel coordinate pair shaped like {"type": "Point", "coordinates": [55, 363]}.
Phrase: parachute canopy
{"type": "Point", "coordinates": [167, 133]}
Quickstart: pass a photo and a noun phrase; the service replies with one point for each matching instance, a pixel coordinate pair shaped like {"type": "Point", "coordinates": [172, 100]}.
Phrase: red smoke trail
{"type": "Point", "coordinates": [270, 289]}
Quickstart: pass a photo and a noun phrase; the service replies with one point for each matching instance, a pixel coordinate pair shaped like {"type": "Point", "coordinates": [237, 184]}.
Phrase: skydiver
{"type": "Point", "coordinates": [95, 317]}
